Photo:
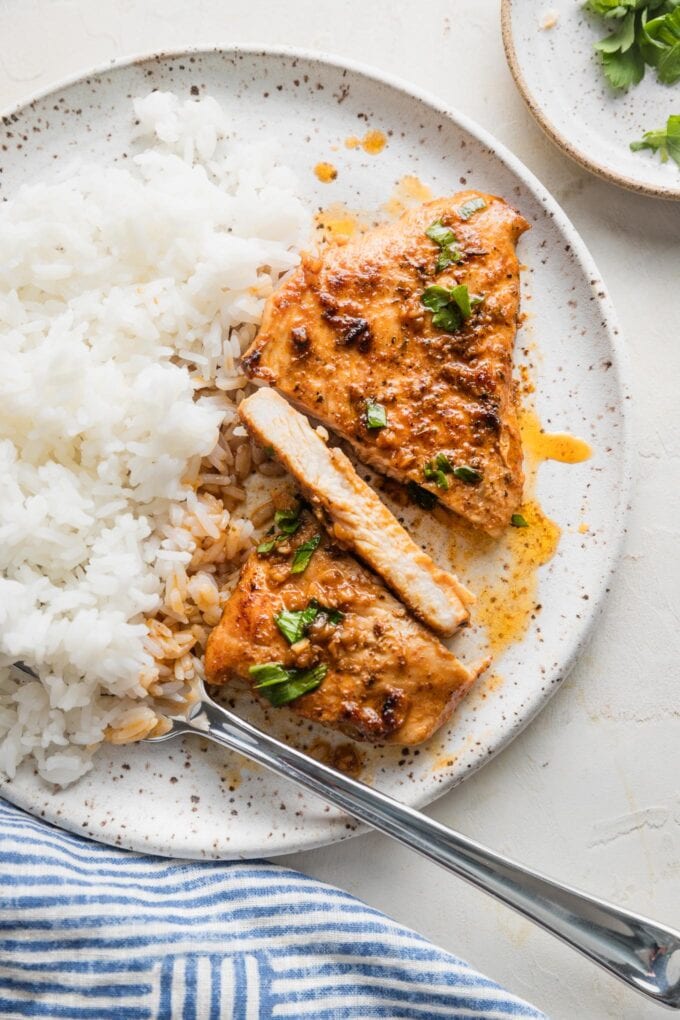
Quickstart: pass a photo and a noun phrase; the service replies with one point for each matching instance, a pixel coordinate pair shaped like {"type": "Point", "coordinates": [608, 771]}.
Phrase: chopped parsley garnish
{"type": "Point", "coordinates": [666, 141]}
{"type": "Point", "coordinates": [519, 521]}
{"type": "Point", "coordinates": [646, 32]}
{"type": "Point", "coordinates": [287, 522]}
{"type": "Point", "coordinates": [448, 244]}
{"type": "Point", "coordinates": [467, 474]}
{"type": "Point", "coordinates": [376, 415]}
{"type": "Point", "coordinates": [421, 497]}
{"type": "Point", "coordinates": [281, 685]}
{"type": "Point", "coordinates": [468, 208]}
{"type": "Point", "coordinates": [450, 308]}
{"type": "Point", "coordinates": [293, 623]}
{"type": "Point", "coordinates": [303, 554]}
{"type": "Point", "coordinates": [440, 234]}
{"type": "Point", "coordinates": [439, 467]}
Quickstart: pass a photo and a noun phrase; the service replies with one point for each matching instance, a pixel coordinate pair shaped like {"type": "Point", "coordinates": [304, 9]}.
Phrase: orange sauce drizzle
{"type": "Point", "coordinates": [325, 172]}
{"type": "Point", "coordinates": [409, 191]}
{"type": "Point", "coordinates": [506, 606]}
{"type": "Point", "coordinates": [541, 445]}
{"type": "Point", "coordinates": [336, 223]}
{"type": "Point", "coordinates": [507, 602]}
{"type": "Point", "coordinates": [372, 143]}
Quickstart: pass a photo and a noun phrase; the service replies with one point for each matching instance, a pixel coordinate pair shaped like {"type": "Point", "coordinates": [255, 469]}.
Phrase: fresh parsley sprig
{"type": "Point", "coordinates": [665, 141]}
{"type": "Point", "coordinates": [646, 33]}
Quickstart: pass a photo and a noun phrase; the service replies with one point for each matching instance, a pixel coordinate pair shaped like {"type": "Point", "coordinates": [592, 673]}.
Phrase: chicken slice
{"type": "Point", "coordinates": [350, 330]}
{"type": "Point", "coordinates": [380, 675]}
{"type": "Point", "coordinates": [354, 514]}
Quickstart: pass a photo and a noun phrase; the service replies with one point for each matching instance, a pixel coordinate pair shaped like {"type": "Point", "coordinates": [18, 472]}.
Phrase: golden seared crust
{"type": "Point", "coordinates": [389, 679]}
{"type": "Point", "coordinates": [350, 325]}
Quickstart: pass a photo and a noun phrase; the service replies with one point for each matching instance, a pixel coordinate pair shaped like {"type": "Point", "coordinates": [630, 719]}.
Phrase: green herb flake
{"type": "Point", "coordinates": [293, 623]}
{"type": "Point", "coordinates": [437, 469]}
{"type": "Point", "coordinates": [440, 234]}
{"type": "Point", "coordinates": [281, 686]}
{"type": "Point", "coordinates": [288, 520]}
{"type": "Point", "coordinates": [450, 307]}
{"type": "Point", "coordinates": [519, 521]}
{"type": "Point", "coordinates": [467, 474]}
{"type": "Point", "coordinates": [449, 319]}
{"type": "Point", "coordinates": [333, 616]}
{"type": "Point", "coordinates": [447, 257]}
{"type": "Point", "coordinates": [447, 241]}
{"type": "Point", "coordinates": [376, 415]}
{"type": "Point", "coordinates": [303, 554]}
{"type": "Point", "coordinates": [264, 548]}
{"type": "Point", "coordinates": [435, 298]}
{"type": "Point", "coordinates": [421, 497]}
{"type": "Point", "coordinates": [266, 673]}
{"type": "Point", "coordinates": [665, 141]}
{"type": "Point", "coordinates": [472, 206]}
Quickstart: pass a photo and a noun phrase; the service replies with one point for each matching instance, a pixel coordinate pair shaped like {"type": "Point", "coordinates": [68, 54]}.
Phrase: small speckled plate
{"type": "Point", "coordinates": [549, 47]}
{"type": "Point", "coordinates": [192, 799]}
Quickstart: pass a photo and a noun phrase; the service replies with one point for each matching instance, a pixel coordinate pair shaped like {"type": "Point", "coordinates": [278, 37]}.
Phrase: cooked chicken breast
{"type": "Point", "coordinates": [369, 668]}
{"type": "Point", "coordinates": [355, 516]}
{"type": "Point", "coordinates": [401, 341]}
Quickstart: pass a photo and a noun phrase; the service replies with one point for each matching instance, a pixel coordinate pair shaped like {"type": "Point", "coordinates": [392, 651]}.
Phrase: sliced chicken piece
{"type": "Point", "coordinates": [401, 341]}
{"type": "Point", "coordinates": [370, 669]}
{"type": "Point", "coordinates": [354, 514]}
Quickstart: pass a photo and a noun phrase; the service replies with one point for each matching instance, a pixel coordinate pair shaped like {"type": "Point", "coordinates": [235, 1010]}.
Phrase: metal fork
{"type": "Point", "coordinates": [644, 954]}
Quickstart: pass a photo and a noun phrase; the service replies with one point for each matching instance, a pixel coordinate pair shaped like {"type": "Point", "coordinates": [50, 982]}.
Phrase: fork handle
{"type": "Point", "coordinates": [644, 954]}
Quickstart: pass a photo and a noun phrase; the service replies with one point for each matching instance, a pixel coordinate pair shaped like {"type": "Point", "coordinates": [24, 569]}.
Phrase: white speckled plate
{"type": "Point", "coordinates": [557, 71]}
{"type": "Point", "coordinates": [192, 799]}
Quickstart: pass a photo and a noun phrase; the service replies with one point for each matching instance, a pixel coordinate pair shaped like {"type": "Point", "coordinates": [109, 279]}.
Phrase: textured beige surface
{"type": "Point", "coordinates": [589, 792]}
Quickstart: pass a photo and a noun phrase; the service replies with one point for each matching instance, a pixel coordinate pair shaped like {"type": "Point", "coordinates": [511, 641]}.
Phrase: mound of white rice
{"type": "Point", "coordinates": [126, 295]}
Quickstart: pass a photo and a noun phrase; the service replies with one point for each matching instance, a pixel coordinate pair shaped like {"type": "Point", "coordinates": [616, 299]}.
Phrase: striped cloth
{"type": "Point", "coordinates": [92, 933]}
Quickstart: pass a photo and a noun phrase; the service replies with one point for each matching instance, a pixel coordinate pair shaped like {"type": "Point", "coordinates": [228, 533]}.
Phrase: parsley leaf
{"type": "Point", "coordinates": [267, 673]}
{"type": "Point", "coordinates": [440, 234]}
{"type": "Point", "coordinates": [376, 415]}
{"type": "Point", "coordinates": [622, 39]}
{"type": "Point", "coordinates": [281, 685]}
{"type": "Point", "coordinates": [293, 623]}
{"type": "Point", "coordinates": [468, 208]}
{"type": "Point", "coordinates": [623, 69]}
{"type": "Point", "coordinates": [450, 308]}
{"type": "Point", "coordinates": [519, 521]}
{"type": "Point", "coordinates": [287, 521]}
{"type": "Point", "coordinates": [303, 554]}
{"type": "Point", "coordinates": [665, 141]}
{"type": "Point", "coordinates": [467, 474]}
{"type": "Point", "coordinates": [447, 241]}
{"type": "Point", "coordinates": [435, 298]}
{"type": "Point", "coordinates": [448, 318]}
{"type": "Point", "coordinates": [437, 469]}
{"type": "Point", "coordinates": [638, 39]}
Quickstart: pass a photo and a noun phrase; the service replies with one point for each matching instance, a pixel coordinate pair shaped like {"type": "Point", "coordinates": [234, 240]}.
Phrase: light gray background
{"type": "Point", "coordinates": [589, 793]}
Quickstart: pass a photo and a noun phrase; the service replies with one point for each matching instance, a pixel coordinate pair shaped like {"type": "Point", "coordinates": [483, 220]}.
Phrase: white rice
{"type": "Point", "coordinates": [126, 297]}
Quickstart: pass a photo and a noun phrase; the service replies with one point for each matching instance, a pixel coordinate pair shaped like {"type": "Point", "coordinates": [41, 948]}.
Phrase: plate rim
{"type": "Point", "coordinates": [561, 141]}
{"type": "Point", "coordinates": [610, 323]}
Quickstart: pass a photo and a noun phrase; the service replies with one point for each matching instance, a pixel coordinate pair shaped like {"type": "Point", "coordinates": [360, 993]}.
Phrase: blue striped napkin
{"type": "Point", "coordinates": [92, 933]}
